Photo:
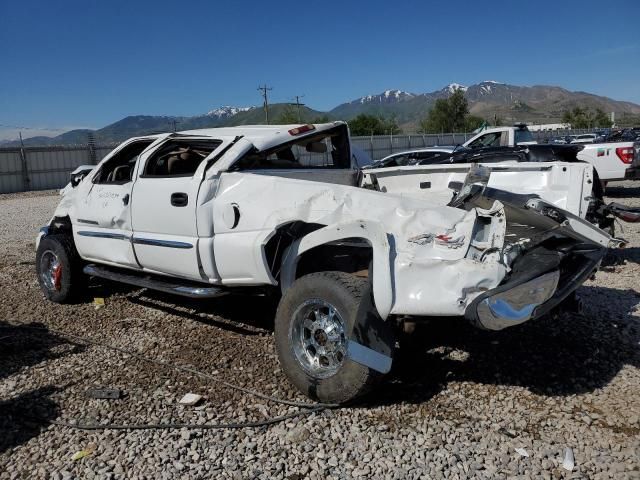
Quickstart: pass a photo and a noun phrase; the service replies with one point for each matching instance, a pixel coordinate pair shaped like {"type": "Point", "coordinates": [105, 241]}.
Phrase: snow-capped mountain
{"type": "Point", "coordinates": [227, 111]}
{"type": "Point", "coordinates": [538, 103]}
{"type": "Point", "coordinates": [452, 87]}
{"type": "Point", "coordinates": [388, 96]}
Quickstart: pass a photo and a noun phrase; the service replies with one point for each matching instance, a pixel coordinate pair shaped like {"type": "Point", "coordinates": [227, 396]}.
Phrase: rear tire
{"type": "Point", "coordinates": [314, 321]}
{"type": "Point", "coordinates": [59, 268]}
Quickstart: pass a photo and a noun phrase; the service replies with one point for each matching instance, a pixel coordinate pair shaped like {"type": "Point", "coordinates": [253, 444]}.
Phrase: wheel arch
{"type": "Point", "coordinates": [380, 272]}
{"type": "Point", "coordinates": [57, 225]}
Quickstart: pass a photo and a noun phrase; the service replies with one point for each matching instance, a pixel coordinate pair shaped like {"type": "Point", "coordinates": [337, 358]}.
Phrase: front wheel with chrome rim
{"type": "Point", "coordinates": [317, 335]}
{"type": "Point", "coordinates": [58, 267]}
{"type": "Point", "coordinates": [313, 325]}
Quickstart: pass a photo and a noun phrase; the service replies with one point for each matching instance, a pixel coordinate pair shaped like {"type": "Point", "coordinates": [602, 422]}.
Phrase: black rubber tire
{"type": "Point", "coordinates": [352, 297]}
{"type": "Point", "coordinates": [71, 280]}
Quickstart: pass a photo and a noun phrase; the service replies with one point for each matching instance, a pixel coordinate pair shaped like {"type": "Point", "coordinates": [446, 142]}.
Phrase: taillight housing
{"type": "Point", "coordinates": [625, 154]}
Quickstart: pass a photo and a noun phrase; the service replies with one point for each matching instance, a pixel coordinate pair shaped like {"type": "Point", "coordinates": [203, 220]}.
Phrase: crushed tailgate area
{"type": "Point", "coordinates": [460, 402]}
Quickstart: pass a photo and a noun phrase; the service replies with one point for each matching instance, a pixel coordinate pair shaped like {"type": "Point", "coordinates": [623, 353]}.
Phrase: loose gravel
{"type": "Point", "coordinates": [458, 404]}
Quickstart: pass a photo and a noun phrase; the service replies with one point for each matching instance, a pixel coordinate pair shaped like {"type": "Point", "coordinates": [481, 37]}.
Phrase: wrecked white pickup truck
{"type": "Point", "coordinates": [280, 209]}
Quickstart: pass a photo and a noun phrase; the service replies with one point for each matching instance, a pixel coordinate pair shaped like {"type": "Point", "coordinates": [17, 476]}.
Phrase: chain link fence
{"type": "Point", "coordinates": [48, 167]}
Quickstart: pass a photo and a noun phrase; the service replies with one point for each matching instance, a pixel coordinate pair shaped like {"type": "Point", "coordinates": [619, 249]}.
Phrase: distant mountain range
{"type": "Point", "coordinates": [538, 104]}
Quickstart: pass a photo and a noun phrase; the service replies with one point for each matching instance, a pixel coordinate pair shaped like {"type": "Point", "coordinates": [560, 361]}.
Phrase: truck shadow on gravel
{"type": "Point", "coordinates": [243, 314]}
{"type": "Point", "coordinates": [623, 192]}
{"type": "Point", "coordinates": [24, 416]}
{"type": "Point", "coordinates": [562, 356]}
{"type": "Point", "coordinates": [619, 256]}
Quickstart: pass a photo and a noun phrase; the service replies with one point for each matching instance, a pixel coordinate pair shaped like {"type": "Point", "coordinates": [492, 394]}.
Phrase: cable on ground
{"type": "Point", "coordinates": [308, 408]}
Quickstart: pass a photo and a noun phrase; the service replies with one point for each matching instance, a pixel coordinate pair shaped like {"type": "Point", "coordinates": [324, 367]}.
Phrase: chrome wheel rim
{"type": "Point", "coordinates": [50, 271]}
{"type": "Point", "coordinates": [317, 334]}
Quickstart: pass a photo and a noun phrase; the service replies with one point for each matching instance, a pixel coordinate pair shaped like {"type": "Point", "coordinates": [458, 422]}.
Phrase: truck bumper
{"type": "Point", "coordinates": [528, 295]}
{"type": "Point", "coordinates": [632, 173]}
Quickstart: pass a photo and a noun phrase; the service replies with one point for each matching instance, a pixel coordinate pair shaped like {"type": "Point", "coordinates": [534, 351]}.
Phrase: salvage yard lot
{"type": "Point", "coordinates": [459, 402]}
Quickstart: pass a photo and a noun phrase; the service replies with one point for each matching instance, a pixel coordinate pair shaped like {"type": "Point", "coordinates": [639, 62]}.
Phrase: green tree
{"type": "Point", "coordinates": [580, 117]}
{"type": "Point", "coordinates": [320, 119]}
{"type": "Point", "coordinates": [471, 122]}
{"type": "Point", "coordinates": [447, 115]}
{"type": "Point", "coordinates": [288, 116]}
{"type": "Point", "coordinates": [601, 119]}
{"type": "Point", "coordinates": [364, 125]}
{"type": "Point", "coordinates": [390, 126]}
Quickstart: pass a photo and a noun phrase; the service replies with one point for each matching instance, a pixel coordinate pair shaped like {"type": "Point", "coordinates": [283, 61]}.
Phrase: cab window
{"type": "Point", "coordinates": [119, 168]}
{"type": "Point", "coordinates": [488, 140]}
{"type": "Point", "coordinates": [179, 158]}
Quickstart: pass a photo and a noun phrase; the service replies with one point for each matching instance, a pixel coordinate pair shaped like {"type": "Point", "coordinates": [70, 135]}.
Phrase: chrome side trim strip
{"type": "Point", "coordinates": [88, 222]}
{"type": "Point", "coordinates": [161, 243]}
{"type": "Point", "coordinates": [115, 236]}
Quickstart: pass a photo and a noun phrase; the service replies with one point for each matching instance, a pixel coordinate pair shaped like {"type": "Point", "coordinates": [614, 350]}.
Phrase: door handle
{"type": "Point", "coordinates": [125, 199]}
{"type": "Point", "coordinates": [179, 199]}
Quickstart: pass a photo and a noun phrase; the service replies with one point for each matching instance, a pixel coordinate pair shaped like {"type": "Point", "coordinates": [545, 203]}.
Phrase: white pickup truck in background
{"type": "Point", "coordinates": [617, 160]}
{"type": "Point", "coordinates": [612, 160]}
{"type": "Point", "coordinates": [519, 134]}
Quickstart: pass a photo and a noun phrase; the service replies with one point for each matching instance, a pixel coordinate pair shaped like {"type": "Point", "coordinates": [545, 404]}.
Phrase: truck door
{"type": "Point", "coordinates": [164, 207]}
{"type": "Point", "coordinates": [101, 217]}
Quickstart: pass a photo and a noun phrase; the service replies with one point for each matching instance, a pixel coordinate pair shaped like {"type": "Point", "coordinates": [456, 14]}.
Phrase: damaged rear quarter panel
{"type": "Point", "coordinates": [435, 278]}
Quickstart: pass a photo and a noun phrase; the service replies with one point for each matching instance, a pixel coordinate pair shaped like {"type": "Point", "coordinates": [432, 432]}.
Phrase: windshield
{"type": "Point", "coordinates": [523, 135]}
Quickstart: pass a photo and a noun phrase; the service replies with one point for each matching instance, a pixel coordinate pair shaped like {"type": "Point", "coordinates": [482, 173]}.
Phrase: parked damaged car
{"type": "Point", "coordinates": [280, 210]}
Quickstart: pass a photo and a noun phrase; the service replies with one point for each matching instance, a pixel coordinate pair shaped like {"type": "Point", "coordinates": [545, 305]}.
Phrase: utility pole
{"type": "Point", "coordinates": [298, 104]}
{"type": "Point", "coordinates": [173, 122]}
{"type": "Point", "coordinates": [26, 181]}
{"type": "Point", "coordinates": [264, 89]}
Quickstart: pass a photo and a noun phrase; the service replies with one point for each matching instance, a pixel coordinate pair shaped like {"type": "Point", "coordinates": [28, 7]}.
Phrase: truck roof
{"type": "Point", "coordinates": [262, 136]}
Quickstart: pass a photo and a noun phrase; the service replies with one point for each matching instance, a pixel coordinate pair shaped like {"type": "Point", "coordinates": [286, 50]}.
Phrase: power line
{"type": "Point", "coordinates": [264, 89]}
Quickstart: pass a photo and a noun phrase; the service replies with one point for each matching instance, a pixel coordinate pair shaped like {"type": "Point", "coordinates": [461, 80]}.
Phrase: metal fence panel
{"type": "Point", "coordinates": [102, 152]}
{"type": "Point", "coordinates": [10, 171]}
{"type": "Point", "coordinates": [49, 167]}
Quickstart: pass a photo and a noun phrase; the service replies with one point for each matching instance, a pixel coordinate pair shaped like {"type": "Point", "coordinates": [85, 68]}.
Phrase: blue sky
{"type": "Point", "coordinates": [70, 63]}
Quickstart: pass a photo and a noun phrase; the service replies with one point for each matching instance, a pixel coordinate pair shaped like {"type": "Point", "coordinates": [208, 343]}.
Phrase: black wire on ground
{"type": "Point", "coordinates": [191, 426]}
{"type": "Point", "coordinates": [309, 408]}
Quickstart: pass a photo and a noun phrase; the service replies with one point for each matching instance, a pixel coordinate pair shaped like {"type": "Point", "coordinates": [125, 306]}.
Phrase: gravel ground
{"type": "Point", "coordinates": [458, 404]}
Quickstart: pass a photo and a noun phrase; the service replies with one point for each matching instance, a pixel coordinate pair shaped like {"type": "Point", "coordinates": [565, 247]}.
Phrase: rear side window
{"type": "Point", "coordinates": [523, 135]}
{"type": "Point", "coordinates": [329, 149]}
{"type": "Point", "coordinates": [179, 158]}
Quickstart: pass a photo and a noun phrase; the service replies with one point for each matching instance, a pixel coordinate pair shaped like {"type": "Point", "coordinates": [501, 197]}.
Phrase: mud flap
{"type": "Point", "coordinates": [368, 357]}
{"type": "Point", "coordinates": [372, 340]}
